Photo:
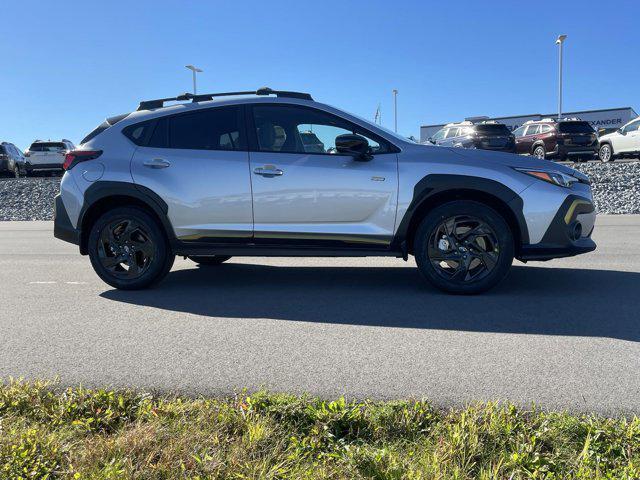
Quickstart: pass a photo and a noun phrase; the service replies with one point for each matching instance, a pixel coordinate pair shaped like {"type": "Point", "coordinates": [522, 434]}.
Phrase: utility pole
{"type": "Point", "coordinates": [395, 109]}
{"type": "Point", "coordinates": [194, 70]}
{"type": "Point", "coordinates": [560, 42]}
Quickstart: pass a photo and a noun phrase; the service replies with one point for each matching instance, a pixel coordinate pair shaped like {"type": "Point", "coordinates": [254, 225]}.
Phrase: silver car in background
{"type": "Point", "coordinates": [46, 156]}
{"type": "Point", "coordinates": [274, 173]}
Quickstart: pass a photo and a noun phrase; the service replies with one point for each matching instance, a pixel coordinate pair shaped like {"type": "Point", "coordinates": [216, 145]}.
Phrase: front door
{"type": "Point", "coordinates": [306, 193]}
{"type": "Point", "coordinates": [630, 141]}
{"type": "Point", "coordinates": [198, 163]}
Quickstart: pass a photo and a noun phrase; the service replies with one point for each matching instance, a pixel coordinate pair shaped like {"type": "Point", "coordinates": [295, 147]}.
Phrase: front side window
{"type": "Point", "coordinates": [439, 135]}
{"type": "Point", "coordinates": [533, 130]}
{"type": "Point", "coordinates": [453, 132]}
{"type": "Point", "coordinates": [519, 132]}
{"type": "Point", "coordinates": [291, 129]}
{"type": "Point", "coordinates": [632, 127]}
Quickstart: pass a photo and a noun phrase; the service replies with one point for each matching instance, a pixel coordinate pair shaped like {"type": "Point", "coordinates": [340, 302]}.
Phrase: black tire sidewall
{"type": "Point", "coordinates": [160, 265]}
{"type": "Point", "coordinates": [476, 209]}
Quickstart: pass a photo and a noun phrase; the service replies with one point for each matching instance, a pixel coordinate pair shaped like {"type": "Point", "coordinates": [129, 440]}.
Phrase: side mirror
{"type": "Point", "coordinates": [353, 144]}
{"type": "Point", "coordinates": [621, 131]}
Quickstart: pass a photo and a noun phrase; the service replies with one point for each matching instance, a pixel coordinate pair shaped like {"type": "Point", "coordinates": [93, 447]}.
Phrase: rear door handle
{"type": "Point", "coordinates": [268, 171]}
{"type": "Point", "coordinates": [156, 163]}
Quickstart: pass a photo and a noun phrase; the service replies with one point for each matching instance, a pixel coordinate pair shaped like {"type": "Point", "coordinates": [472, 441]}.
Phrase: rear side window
{"type": "Point", "coordinates": [139, 133]}
{"type": "Point", "coordinates": [533, 129]}
{"type": "Point", "coordinates": [2, 150]}
{"type": "Point", "coordinates": [453, 132]}
{"type": "Point", "coordinates": [212, 129]}
{"type": "Point", "coordinates": [575, 127]}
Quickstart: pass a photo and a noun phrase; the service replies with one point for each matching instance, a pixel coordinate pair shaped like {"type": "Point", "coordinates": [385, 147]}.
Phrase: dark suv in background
{"type": "Point", "coordinates": [486, 135]}
{"type": "Point", "coordinates": [11, 160]}
{"type": "Point", "coordinates": [549, 138]}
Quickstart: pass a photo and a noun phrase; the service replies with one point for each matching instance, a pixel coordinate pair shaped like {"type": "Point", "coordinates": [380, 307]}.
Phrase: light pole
{"type": "Point", "coordinates": [560, 42]}
{"type": "Point", "coordinates": [194, 70]}
{"type": "Point", "coordinates": [395, 109]}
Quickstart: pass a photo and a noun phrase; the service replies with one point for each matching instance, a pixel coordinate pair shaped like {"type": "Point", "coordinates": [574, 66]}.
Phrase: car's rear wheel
{"type": "Point", "coordinates": [464, 247]}
{"type": "Point", "coordinates": [210, 261]}
{"type": "Point", "coordinates": [128, 249]}
{"type": "Point", "coordinates": [605, 153]}
{"type": "Point", "coordinates": [539, 152]}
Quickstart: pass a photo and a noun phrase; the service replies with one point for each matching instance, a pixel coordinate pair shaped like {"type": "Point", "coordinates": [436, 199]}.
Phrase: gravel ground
{"type": "Point", "coordinates": [616, 188]}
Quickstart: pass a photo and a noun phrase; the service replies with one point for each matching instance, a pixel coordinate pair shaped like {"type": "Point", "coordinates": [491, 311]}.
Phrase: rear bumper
{"type": "Point", "coordinates": [574, 150]}
{"type": "Point", "coordinates": [62, 227]}
{"type": "Point", "coordinates": [29, 167]}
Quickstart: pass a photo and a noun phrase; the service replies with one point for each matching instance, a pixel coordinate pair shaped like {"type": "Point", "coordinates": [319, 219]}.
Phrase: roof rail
{"type": "Point", "coordinates": [159, 103]}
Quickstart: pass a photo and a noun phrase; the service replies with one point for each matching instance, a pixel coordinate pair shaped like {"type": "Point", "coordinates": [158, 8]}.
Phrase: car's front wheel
{"type": "Point", "coordinates": [539, 152]}
{"type": "Point", "coordinates": [210, 261]}
{"type": "Point", "coordinates": [605, 153]}
{"type": "Point", "coordinates": [464, 247]}
{"type": "Point", "coordinates": [128, 249]}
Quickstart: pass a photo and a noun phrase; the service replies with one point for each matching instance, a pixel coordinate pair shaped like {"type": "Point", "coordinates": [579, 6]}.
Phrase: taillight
{"type": "Point", "coordinates": [74, 157]}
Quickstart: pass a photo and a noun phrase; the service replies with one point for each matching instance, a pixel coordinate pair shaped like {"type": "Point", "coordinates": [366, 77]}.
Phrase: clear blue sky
{"type": "Point", "coordinates": [66, 65]}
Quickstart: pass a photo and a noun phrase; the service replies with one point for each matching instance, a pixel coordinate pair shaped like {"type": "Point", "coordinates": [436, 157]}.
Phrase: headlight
{"type": "Point", "coordinates": [557, 178]}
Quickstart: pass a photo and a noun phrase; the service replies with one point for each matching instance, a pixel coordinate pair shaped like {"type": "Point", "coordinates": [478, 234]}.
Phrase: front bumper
{"type": "Point", "coordinates": [569, 233]}
{"type": "Point", "coordinates": [62, 227]}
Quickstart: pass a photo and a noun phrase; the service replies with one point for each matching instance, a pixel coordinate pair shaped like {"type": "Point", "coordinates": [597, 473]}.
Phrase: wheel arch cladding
{"type": "Point", "coordinates": [103, 196]}
{"type": "Point", "coordinates": [435, 190]}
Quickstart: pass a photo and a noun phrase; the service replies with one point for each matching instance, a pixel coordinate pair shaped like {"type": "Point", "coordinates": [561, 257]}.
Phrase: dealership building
{"type": "Point", "coordinates": [608, 119]}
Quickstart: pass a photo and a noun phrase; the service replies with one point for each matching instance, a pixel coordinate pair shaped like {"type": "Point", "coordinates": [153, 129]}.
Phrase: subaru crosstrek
{"type": "Point", "coordinates": [225, 175]}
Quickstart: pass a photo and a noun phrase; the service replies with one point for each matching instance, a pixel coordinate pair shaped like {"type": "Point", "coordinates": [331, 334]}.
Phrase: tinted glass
{"type": "Point", "coordinates": [3, 151]}
{"type": "Point", "coordinates": [453, 132]}
{"type": "Point", "coordinates": [139, 132]}
{"type": "Point", "coordinates": [533, 129]}
{"type": "Point", "coordinates": [545, 128]}
{"type": "Point", "coordinates": [47, 147]}
{"type": "Point", "coordinates": [575, 127]}
{"type": "Point", "coordinates": [492, 129]}
{"type": "Point", "coordinates": [439, 135]}
{"type": "Point", "coordinates": [518, 132]}
{"type": "Point", "coordinates": [632, 127]}
{"type": "Point", "coordinates": [212, 129]}
{"type": "Point", "coordinates": [292, 129]}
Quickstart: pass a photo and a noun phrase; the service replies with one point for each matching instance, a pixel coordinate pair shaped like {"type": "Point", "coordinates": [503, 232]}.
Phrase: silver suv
{"type": "Point", "coordinates": [273, 173]}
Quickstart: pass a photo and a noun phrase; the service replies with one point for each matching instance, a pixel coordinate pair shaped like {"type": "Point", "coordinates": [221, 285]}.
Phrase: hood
{"type": "Point", "coordinates": [510, 160]}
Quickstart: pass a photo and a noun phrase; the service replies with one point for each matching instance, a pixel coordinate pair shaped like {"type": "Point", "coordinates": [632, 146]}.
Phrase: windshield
{"type": "Point", "coordinates": [379, 127]}
{"type": "Point", "coordinates": [492, 129]}
{"type": "Point", "coordinates": [575, 127]}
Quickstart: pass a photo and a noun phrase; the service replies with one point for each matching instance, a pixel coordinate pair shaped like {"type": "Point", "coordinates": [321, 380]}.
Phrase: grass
{"type": "Point", "coordinates": [79, 433]}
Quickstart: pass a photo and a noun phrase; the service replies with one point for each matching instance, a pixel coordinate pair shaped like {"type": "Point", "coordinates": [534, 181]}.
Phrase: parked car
{"type": "Point", "coordinates": [11, 160]}
{"type": "Point", "coordinates": [227, 176]}
{"type": "Point", "coordinates": [487, 135]}
{"type": "Point", "coordinates": [550, 138]}
{"type": "Point", "coordinates": [621, 143]}
{"type": "Point", "coordinates": [46, 156]}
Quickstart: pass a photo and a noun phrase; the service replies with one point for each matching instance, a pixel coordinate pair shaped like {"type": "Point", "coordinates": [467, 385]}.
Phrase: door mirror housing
{"type": "Point", "coordinates": [355, 145]}
{"type": "Point", "coordinates": [621, 131]}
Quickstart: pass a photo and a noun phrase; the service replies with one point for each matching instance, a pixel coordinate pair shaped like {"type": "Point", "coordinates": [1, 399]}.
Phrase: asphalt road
{"type": "Point", "coordinates": [565, 334]}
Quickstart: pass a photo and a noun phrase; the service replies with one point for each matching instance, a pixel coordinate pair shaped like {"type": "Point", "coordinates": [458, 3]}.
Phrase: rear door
{"type": "Point", "coordinates": [198, 163]}
{"type": "Point", "coordinates": [312, 195]}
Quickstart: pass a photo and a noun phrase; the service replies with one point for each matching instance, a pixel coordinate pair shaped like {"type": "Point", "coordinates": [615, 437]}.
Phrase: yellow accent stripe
{"type": "Point", "coordinates": [572, 208]}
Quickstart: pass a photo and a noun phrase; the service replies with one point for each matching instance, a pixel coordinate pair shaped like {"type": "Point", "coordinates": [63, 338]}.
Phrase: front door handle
{"type": "Point", "coordinates": [156, 163]}
{"type": "Point", "coordinates": [268, 171]}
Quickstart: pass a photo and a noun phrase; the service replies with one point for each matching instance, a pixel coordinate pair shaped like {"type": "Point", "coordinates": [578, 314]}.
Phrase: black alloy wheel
{"type": "Point", "coordinates": [125, 249]}
{"type": "Point", "coordinates": [464, 247]}
{"type": "Point", "coordinates": [128, 249]}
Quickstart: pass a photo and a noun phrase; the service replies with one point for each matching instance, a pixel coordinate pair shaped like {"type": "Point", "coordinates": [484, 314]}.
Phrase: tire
{"type": "Point", "coordinates": [472, 265]}
{"type": "Point", "coordinates": [539, 152]}
{"type": "Point", "coordinates": [134, 237]}
{"type": "Point", "coordinates": [210, 261]}
{"type": "Point", "coordinates": [16, 171]}
{"type": "Point", "coordinates": [605, 153]}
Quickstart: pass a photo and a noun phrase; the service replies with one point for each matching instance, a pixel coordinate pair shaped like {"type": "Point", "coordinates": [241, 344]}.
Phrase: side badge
{"type": "Point", "coordinates": [377, 179]}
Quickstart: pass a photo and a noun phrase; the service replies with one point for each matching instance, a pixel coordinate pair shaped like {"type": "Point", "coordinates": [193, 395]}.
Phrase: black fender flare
{"type": "Point", "coordinates": [433, 186]}
{"type": "Point", "coordinates": [102, 190]}
{"type": "Point", "coordinates": [538, 143]}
